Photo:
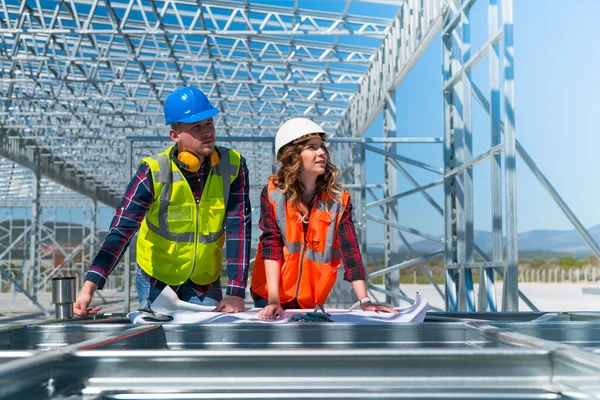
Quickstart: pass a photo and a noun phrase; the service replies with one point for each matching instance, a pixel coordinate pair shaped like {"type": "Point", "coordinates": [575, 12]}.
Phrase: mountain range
{"type": "Point", "coordinates": [536, 241]}
{"type": "Point", "coordinates": [541, 240]}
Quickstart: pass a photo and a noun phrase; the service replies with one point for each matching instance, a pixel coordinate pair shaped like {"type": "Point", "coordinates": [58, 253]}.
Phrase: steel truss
{"type": "Point", "coordinates": [77, 77]}
{"type": "Point", "coordinates": [35, 245]}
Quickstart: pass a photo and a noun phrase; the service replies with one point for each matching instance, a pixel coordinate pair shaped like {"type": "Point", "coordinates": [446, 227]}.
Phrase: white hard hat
{"type": "Point", "coordinates": [294, 129]}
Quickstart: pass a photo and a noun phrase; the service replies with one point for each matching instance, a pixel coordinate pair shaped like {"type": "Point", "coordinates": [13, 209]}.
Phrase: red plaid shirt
{"type": "Point", "coordinates": [272, 243]}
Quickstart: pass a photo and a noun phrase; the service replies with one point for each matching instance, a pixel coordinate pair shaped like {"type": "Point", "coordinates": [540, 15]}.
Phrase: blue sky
{"type": "Point", "coordinates": [556, 84]}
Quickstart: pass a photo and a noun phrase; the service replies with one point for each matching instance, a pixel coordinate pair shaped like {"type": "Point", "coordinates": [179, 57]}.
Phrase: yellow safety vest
{"type": "Point", "coordinates": [180, 238]}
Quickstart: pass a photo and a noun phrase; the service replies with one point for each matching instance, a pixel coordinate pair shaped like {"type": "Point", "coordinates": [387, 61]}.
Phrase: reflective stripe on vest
{"type": "Point", "coordinates": [168, 248]}
{"type": "Point", "coordinates": [331, 207]}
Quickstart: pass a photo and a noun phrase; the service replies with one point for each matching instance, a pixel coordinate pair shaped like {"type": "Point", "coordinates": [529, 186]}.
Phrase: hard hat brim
{"type": "Point", "coordinates": [309, 136]}
{"type": "Point", "coordinates": [197, 117]}
{"type": "Point", "coordinates": [322, 135]}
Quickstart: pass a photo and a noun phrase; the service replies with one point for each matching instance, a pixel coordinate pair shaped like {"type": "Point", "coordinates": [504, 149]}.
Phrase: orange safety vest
{"type": "Point", "coordinates": [311, 259]}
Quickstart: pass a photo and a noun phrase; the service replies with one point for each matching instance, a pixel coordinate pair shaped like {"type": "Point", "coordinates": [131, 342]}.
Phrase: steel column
{"type": "Point", "coordinates": [487, 292]}
{"type": "Point", "coordinates": [34, 241]}
{"type": "Point", "coordinates": [466, 300]}
{"type": "Point", "coordinates": [94, 230]}
{"type": "Point", "coordinates": [391, 240]}
{"type": "Point", "coordinates": [360, 201]}
{"type": "Point", "coordinates": [127, 258]}
{"type": "Point", "coordinates": [450, 256]}
{"type": "Point", "coordinates": [510, 299]}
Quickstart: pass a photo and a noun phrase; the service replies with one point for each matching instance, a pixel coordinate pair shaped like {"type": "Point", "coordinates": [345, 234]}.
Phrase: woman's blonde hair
{"type": "Point", "coordinates": [287, 178]}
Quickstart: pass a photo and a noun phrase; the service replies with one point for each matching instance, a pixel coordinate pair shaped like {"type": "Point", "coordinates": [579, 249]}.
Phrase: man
{"type": "Point", "coordinates": [185, 201]}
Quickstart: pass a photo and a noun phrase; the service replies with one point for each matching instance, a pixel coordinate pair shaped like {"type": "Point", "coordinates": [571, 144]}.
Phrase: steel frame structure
{"type": "Point", "coordinates": [78, 76]}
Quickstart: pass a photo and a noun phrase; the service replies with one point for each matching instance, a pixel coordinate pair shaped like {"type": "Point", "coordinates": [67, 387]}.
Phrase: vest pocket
{"type": "Point", "coordinates": [217, 203]}
{"type": "Point", "coordinates": [212, 215]}
{"type": "Point", "coordinates": [316, 234]}
{"type": "Point", "coordinates": [327, 278]}
{"type": "Point", "coordinates": [179, 218]}
{"type": "Point", "coordinates": [157, 247]}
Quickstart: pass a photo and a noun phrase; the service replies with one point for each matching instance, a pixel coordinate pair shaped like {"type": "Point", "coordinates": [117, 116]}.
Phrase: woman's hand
{"type": "Point", "coordinates": [368, 306]}
{"type": "Point", "coordinates": [271, 311]}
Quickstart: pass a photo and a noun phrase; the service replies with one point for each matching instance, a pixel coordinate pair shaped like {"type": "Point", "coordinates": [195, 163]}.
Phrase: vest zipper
{"type": "Point", "coordinates": [302, 252]}
{"type": "Point", "coordinates": [301, 267]}
{"type": "Point", "coordinates": [196, 236]}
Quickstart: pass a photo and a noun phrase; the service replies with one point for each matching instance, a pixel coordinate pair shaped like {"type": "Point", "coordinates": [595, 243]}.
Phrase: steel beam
{"type": "Point", "coordinates": [23, 152]}
{"type": "Point", "coordinates": [404, 43]}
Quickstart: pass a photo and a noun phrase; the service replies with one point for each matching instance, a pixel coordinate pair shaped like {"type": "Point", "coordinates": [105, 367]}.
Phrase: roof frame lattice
{"type": "Point", "coordinates": [76, 76]}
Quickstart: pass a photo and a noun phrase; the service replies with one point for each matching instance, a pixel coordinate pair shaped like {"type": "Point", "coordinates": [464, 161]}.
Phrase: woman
{"type": "Point", "coordinates": [306, 219]}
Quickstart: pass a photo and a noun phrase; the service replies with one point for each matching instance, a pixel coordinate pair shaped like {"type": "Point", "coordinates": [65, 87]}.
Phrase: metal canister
{"type": "Point", "coordinates": [63, 296]}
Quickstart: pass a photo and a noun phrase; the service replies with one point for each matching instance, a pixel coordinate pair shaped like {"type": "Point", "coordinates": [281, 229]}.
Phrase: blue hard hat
{"type": "Point", "coordinates": [188, 104]}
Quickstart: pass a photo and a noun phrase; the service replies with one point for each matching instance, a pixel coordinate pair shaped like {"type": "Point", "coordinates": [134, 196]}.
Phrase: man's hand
{"type": "Point", "coordinates": [80, 307]}
{"type": "Point", "coordinates": [231, 304]}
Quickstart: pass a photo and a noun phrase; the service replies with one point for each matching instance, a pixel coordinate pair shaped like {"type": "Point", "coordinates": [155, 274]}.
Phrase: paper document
{"type": "Point", "coordinates": [168, 303]}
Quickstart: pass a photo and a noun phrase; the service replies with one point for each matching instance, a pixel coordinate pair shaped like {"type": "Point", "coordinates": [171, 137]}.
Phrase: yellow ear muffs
{"type": "Point", "coordinates": [188, 161]}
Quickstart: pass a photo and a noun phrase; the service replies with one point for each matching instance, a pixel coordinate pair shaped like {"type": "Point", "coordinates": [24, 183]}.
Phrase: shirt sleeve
{"type": "Point", "coordinates": [353, 265]}
{"type": "Point", "coordinates": [272, 242]}
{"type": "Point", "coordinates": [238, 230]}
{"type": "Point", "coordinates": [136, 201]}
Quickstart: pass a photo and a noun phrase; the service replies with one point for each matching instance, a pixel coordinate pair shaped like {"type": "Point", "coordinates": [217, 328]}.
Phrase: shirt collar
{"type": "Point", "coordinates": [316, 197]}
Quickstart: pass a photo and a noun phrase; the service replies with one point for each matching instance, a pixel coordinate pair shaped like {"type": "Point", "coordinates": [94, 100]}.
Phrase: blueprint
{"type": "Point", "coordinates": [167, 303]}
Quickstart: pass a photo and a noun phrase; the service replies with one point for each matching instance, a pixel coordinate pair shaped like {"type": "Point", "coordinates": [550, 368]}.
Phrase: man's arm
{"type": "Point", "coordinates": [136, 201]}
{"type": "Point", "coordinates": [238, 229]}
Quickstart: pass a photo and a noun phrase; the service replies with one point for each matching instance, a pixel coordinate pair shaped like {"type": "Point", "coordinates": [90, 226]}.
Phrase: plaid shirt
{"type": "Point", "coordinates": [272, 243]}
{"type": "Point", "coordinates": [138, 198]}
